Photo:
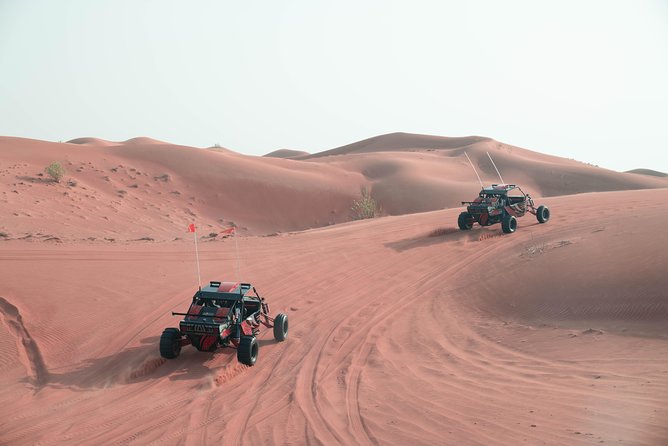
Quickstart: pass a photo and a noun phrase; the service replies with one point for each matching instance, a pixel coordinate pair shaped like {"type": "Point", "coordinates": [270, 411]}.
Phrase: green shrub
{"type": "Point", "coordinates": [365, 206]}
{"type": "Point", "coordinates": [56, 171]}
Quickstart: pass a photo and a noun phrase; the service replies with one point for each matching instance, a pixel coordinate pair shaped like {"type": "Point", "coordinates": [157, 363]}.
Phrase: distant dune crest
{"type": "Point", "coordinates": [402, 141]}
{"type": "Point", "coordinates": [140, 140]}
{"type": "Point", "coordinates": [287, 153]}
{"type": "Point", "coordinates": [650, 172]}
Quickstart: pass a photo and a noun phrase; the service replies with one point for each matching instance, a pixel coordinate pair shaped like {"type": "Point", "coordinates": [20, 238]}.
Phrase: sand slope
{"type": "Point", "coordinates": [140, 189]}
{"type": "Point", "coordinates": [416, 173]}
{"type": "Point", "coordinates": [403, 330]}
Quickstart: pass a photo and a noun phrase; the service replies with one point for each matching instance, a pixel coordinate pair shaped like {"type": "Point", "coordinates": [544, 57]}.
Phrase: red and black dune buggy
{"type": "Point", "coordinates": [224, 314]}
{"type": "Point", "coordinates": [500, 203]}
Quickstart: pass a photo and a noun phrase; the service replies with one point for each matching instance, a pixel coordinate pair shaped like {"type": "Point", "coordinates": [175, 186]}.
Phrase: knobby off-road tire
{"type": "Point", "coordinates": [170, 343]}
{"type": "Point", "coordinates": [281, 327]}
{"type": "Point", "coordinates": [509, 224]}
{"type": "Point", "coordinates": [542, 214]}
{"type": "Point", "coordinates": [465, 221]}
{"type": "Point", "coordinates": [248, 350]}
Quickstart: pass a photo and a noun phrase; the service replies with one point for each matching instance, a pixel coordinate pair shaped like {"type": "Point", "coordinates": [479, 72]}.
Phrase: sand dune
{"type": "Point", "coordinates": [403, 142]}
{"type": "Point", "coordinates": [403, 330]}
{"type": "Point", "coordinates": [88, 141]}
{"type": "Point", "coordinates": [417, 173]}
{"type": "Point", "coordinates": [141, 140]}
{"type": "Point", "coordinates": [650, 172]}
{"type": "Point", "coordinates": [287, 153]}
{"type": "Point", "coordinates": [141, 189]}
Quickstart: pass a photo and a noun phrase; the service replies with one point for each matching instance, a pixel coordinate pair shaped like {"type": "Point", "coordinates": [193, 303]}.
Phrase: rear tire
{"type": "Point", "coordinates": [170, 343]}
{"type": "Point", "coordinates": [281, 327]}
{"type": "Point", "coordinates": [248, 350]}
{"type": "Point", "coordinates": [509, 224]}
{"type": "Point", "coordinates": [542, 214]}
{"type": "Point", "coordinates": [465, 221]}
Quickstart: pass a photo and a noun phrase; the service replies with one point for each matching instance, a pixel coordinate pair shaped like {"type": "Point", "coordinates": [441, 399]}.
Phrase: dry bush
{"type": "Point", "coordinates": [55, 170]}
{"type": "Point", "coordinates": [365, 207]}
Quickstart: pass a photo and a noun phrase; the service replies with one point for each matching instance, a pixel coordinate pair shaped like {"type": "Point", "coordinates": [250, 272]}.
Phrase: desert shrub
{"type": "Point", "coordinates": [365, 206]}
{"type": "Point", "coordinates": [55, 170]}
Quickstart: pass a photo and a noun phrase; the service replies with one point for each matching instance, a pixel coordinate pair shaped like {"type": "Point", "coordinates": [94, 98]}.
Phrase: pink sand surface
{"type": "Point", "coordinates": [403, 329]}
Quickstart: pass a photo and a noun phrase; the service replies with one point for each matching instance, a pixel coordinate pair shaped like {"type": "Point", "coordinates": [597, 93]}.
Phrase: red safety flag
{"type": "Point", "coordinates": [229, 230]}
{"type": "Point", "coordinates": [191, 227]}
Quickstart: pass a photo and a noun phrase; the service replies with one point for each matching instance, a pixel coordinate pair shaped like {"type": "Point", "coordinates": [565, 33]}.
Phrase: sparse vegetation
{"type": "Point", "coordinates": [364, 207]}
{"type": "Point", "coordinates": [56, 171]}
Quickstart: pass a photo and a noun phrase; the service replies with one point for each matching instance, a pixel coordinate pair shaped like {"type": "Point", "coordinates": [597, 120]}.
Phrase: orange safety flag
{"type": "Point", "coordinates": [229, 230]}
{"type": "Point", "coordinates": [191, 227]}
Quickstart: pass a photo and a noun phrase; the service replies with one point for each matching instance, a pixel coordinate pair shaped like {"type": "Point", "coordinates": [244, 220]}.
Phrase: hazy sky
{"type": "Point", "coordinates": [579, 79]}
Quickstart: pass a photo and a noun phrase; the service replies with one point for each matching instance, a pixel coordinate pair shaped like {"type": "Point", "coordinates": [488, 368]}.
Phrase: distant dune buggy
{"type": "Point", "coordinates": [224, 314]}
{"type": "Point", "coordinates": [500, 203]}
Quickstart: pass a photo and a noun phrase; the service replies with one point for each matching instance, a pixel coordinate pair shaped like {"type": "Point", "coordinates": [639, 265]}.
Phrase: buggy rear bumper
{"type": "Point", "coordinates": [201, 328]}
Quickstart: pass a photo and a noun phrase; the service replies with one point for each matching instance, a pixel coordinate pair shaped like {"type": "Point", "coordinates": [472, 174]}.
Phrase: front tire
{"type": "Point", "coordinates": [281, 327]}
{"type": "Point", "coordinates": [465, 221]}
{"type": "Point", "coordinates": [248, 350]}
{"type": "Point", "coordinates": [170, 343]}
{"type": "Point", "coordinates": [509, 224]}
{"type": "Point", "coordinates": [542, 214]}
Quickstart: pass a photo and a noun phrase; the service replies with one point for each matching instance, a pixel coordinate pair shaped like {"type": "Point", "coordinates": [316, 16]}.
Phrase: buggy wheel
{"type": "Point", "coordinates": [509, 224]}
{"type": "Point", "coordinates": [248, 350]}
{"type": "Point", "coordinates": [281, 327]}
{"type": "Point", "coordinates": [170, 343]}
{"type": "Point", "coordinates": [465, 221]}
{"type": "Point", "coordinates": [542, 214]}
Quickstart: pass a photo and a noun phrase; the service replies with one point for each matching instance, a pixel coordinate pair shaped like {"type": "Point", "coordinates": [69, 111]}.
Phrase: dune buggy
{"type": "Point", "coordinates": [224, 314]}
{"type": "Point", "coordinates": [500, 203]}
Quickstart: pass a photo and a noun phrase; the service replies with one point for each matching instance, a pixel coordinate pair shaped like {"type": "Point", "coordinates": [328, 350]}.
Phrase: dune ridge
{"type": "Point", "coordinates": [142, 189]}
{"type": "Point", "coordinates": [649, 172]}
{"type": "Point", "coordinates": [287, 153]}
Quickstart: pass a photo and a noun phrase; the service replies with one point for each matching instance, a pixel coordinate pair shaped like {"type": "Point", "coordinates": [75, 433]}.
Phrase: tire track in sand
{"type": "Point", "coordinates": [29, 353]}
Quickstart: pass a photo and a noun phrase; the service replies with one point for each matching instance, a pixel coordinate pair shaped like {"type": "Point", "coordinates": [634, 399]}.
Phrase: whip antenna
{"type": "Point", "coordinates": [191, 228]}
{"type": "Point", "coordinates": [497, 170]}
{"type": "Point", "coordinates": [476, 172]}
{"type": "Point", "coordinates": [232, 230]}
{"type": "Point", "coordinates": [236, 243]}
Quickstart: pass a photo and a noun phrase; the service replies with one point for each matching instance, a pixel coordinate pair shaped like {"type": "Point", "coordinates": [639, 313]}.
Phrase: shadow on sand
{"type": "Point", "coordinates": [142, 363]}
{"type": "Point", "coordinates": [439, 235]}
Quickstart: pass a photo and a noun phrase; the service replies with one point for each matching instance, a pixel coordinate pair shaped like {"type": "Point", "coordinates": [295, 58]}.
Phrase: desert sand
{"type": "Point", "coordinates": [403, 329]}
